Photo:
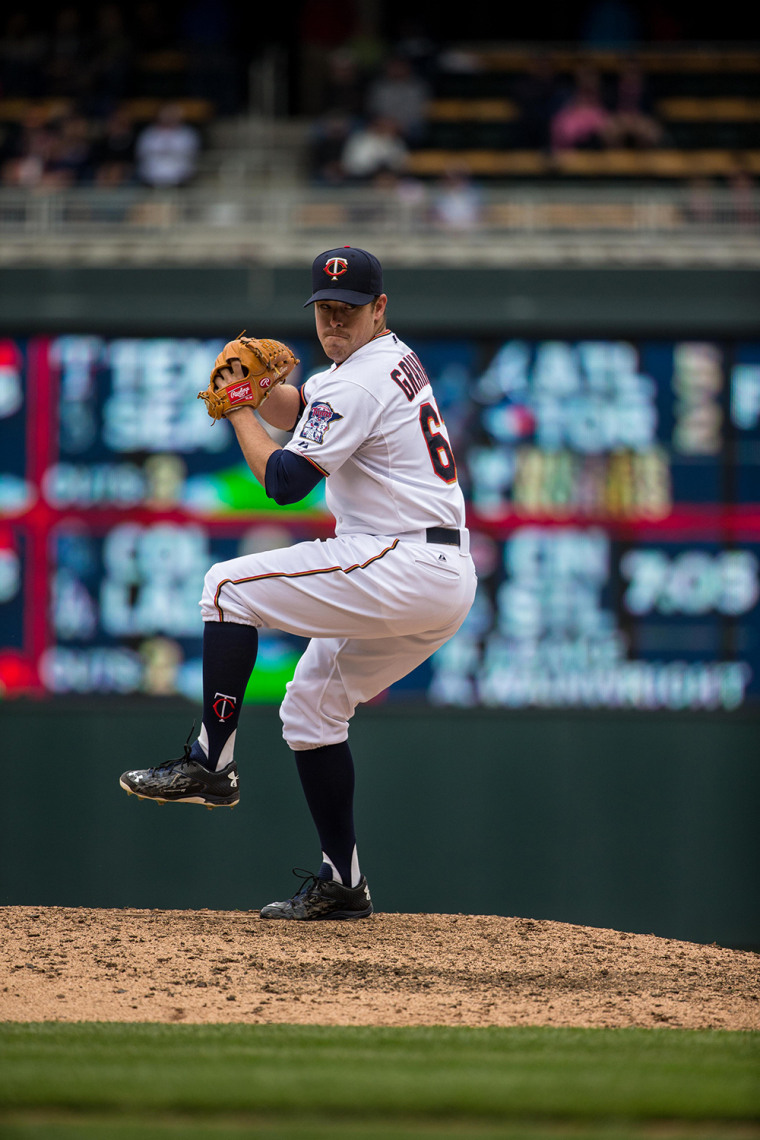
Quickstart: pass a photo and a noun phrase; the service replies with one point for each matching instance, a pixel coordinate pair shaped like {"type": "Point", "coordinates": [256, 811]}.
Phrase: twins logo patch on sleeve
{"type": "Point", "coordinates": [321, 415]}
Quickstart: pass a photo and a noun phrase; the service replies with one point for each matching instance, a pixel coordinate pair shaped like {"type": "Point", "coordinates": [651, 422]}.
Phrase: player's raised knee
{"type": "Point", "coordinates": [305, 726]}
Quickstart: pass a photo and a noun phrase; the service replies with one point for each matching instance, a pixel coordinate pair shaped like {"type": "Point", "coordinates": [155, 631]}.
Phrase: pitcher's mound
{"type": "Point", "coordinates": [76, 964]}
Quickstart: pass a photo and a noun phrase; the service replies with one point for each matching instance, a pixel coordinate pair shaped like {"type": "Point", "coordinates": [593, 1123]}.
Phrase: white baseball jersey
{"type": "Point", "coordinates": [379, 598]}
{"type": "Point", "coordinates": [372, 425]}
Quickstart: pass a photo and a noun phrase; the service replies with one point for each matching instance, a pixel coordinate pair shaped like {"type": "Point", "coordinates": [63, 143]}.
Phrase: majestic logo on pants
{"type": "Point", "coordinates": [320, 417]}
{"type": "Point", "coordinates": [224, 706]}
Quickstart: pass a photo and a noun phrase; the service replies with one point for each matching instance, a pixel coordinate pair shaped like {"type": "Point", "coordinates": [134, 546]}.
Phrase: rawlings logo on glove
{"type": "Point", "coordinates": [265, 363]}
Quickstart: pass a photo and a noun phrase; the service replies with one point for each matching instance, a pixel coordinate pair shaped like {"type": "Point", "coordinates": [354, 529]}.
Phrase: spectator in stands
{"type": "Point", "coordinates": [457, 202]}
{"type": "Point", "coordinates": [372, 148]}
{"type": "Point", "coordinates": [392, 199]}
{"type": "Point", "coordinates": [408, 195]}
{"type": "Point", "coordinates": [167, 150]}
{"type": "Point", "coordinates": [29, 154]}
{"type": "Point", "coordinates": [401, 96]}
{"type": "Point", "coordinates": [582, 122]}
{"type": "Point", "coordinates": [634, 121]}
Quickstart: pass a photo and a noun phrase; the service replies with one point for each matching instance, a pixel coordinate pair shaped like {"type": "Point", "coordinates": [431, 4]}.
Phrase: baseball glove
{"type": "Point", "coordinates": [265, 363]}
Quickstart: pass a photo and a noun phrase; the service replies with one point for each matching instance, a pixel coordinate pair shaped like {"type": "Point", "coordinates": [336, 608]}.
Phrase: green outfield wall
{"type": "Point", "coordinates": [568, 301]}
{"type": "Point", "coordinates": [638, 823]}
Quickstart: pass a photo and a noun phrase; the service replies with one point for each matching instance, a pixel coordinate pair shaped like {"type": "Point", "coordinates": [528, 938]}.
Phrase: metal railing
{"type": "Point", "coordinates": [686, 224]}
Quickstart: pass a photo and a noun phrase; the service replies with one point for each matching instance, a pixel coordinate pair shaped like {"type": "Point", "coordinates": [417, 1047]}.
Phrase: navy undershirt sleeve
{"type": "Point", "coordinates": [289, 477]}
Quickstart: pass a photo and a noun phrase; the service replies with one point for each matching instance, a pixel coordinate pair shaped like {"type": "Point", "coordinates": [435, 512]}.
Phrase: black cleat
{"type": "Point", "coordinates": [184, 781]}
{"type": "Point", "coordinates": [322, 898]}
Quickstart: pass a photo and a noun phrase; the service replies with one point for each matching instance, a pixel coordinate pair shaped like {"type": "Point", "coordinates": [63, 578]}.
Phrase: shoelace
{"type": "Point", "coordinates": [309, 881]}
{"type": "Point", "coordinates": [167, 764]}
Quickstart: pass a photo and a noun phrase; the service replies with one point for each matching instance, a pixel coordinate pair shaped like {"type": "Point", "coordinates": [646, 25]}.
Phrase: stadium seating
{"type": "Point", "coordinates": [707, 103]}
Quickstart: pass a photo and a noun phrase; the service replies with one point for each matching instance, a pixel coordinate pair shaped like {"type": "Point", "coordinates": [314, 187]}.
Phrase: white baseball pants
{"type": "Point", "coordinates": [374, 607]}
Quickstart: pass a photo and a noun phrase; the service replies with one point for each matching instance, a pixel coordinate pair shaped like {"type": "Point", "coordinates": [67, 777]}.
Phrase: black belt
{"type": "Point", "coordinates": [441, 534]}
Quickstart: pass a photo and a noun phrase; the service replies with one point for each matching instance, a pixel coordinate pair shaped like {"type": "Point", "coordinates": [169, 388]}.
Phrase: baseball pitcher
{"type": "Point", "coordinates": [376, 600]}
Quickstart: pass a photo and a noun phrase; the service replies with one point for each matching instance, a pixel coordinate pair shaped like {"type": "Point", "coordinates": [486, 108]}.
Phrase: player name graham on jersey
{"type": "Point", "coordinates": [410, 376]}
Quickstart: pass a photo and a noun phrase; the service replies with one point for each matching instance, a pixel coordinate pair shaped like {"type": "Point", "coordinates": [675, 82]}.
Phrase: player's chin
{"type": "Point", "coordinates": [337, 348]}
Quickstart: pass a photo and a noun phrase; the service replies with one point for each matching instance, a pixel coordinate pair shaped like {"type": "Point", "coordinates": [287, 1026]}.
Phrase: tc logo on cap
{"type": "Point", "coordinates": [335, 267]}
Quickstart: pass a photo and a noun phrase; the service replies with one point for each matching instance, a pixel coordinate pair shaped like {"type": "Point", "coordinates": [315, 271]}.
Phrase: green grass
{"type": "Point", "coordinates": [72, 1081]}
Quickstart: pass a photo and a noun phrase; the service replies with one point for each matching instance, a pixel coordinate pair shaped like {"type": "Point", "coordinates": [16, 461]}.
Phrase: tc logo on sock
{"type": "Point", "coordinates": [224, 706]}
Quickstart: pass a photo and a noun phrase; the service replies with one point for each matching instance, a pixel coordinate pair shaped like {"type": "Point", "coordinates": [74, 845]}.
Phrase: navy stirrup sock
{"type": "Point", "coordinates": [229, 655]}
{"type": "Point", "coordinates": [327, 778]}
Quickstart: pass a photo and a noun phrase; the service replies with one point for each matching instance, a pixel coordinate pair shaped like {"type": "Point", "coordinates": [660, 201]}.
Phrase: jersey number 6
{"type": "Point", "coordinates": [441, 455]}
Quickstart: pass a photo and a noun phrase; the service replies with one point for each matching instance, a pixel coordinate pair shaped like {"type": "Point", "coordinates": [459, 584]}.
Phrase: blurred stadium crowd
{"type": "Point", "coordinates": [111, 94]}
{"type": "Point", "coordinates": [116, 95]}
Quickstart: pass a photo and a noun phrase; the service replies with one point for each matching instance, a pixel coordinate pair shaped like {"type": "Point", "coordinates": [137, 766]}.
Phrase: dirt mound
{"type": "Point", "coordinates": [75, 964]}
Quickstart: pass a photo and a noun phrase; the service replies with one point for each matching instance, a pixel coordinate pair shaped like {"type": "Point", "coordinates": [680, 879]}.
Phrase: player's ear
{"type": "Point", "coordinates": [380, 305]}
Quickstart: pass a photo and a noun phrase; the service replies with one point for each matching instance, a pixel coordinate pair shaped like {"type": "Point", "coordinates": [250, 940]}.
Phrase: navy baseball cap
{"type": "Point", "coordinates": [346, 274]}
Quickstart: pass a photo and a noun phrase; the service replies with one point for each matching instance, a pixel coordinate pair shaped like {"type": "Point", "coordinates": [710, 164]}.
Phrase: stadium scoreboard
{"type": "Point", "coordinates": [613, 496]}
